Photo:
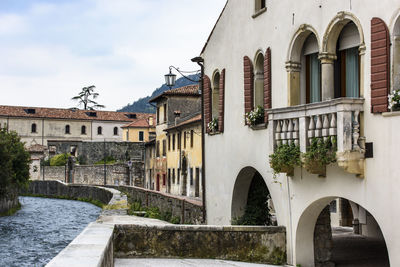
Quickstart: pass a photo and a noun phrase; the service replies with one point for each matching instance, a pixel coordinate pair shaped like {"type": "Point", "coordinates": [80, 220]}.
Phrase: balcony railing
{"type": "Point", "coordinates": [333, 118]}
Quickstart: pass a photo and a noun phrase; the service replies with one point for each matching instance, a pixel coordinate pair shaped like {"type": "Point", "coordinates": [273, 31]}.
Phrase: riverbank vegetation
{"type": "Point", "coordinates": [14, 169]}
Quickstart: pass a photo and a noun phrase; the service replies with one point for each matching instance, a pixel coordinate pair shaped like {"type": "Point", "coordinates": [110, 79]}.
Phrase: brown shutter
{"type": "Point", "coordinates": [380, 66]}
{"type": "Point", "coordinates": [221, 105]}
{"type": "Point", "coordinates": [207, 101]}
{"type": "Point", "coordinates": [248, 84]}
{"type": "Point", "coordinates": [267, 83]}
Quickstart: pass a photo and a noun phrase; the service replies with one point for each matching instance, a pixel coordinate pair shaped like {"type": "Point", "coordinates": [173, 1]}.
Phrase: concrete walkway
{"type": "Point", "coordinates": [183, 263]}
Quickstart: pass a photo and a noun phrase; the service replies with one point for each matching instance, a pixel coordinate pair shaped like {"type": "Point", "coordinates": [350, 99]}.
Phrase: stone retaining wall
{"type": "Point", "coordinates": [59, 189]}
{"type": "Point", "coordinates": [190, 212]}
{"type": "Point", "coordinates": [116, 174]}
{"type": "Point", "coordinates": [251, 244]}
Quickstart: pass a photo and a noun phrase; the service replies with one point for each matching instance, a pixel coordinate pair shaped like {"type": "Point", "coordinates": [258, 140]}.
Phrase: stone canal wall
{"type": "Point", "coordinates": [58, 189]}
{"type": "Point", "coordinates": [189, 211]}
{"type": "Point", "coordinates": [241, 243]}
{"type": "Point", "coordinates": [9, 202]}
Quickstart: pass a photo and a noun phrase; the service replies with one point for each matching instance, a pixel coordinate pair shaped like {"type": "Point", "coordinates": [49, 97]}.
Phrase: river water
{"type": "Point", "coordinates": [41, 229]}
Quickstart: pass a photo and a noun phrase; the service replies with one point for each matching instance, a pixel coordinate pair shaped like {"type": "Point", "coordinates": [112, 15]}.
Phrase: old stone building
{"type": "Point", "coordinates": [174, 106]}
{"type": "Point", "coordinates": [319, 69]}
{"type": "Point", "coordinates": [38, 125]}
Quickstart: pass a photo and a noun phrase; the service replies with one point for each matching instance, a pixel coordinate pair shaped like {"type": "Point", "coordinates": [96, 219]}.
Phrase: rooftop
{"type": "Point", "coordinates": [142, 123]}
{"type": "Point", "coordinates": [189, 90]}
{"type": "Point", "coordinates": [194, 119]}
{"type": "Point", "coordinates": [71, 114]}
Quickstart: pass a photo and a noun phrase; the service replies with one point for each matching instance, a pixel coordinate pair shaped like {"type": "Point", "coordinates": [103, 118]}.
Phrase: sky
{"type": "Point", "coordinates": [51, 49]}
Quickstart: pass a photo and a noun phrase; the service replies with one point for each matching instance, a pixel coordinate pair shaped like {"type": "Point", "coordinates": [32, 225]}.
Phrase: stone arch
{"type": "Point", "coordinates": [304, 239]}
{"type": "Point", "coordinates": [334, 29]}
{"type": "Point", "coordinates": [241, 191]}
{"type": "Point", "coordinates": [293, 63]}
{"type": "Point", "coordinates": [297, 42]}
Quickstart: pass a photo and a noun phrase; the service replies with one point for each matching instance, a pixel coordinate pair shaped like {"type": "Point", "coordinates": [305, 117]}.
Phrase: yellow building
{"type": "Point", "coordinates": [139, 131]}
{"type": "Point", "coordinates": [184, 163]}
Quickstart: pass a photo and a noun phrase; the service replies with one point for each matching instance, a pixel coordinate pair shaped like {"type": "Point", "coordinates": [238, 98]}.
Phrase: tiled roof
{"type": "Point", "coordinates": [186, 122]}
{"type": "Point", "coordinates": [71, 114]}
{"type": "Point", "coordinates": [189, 90]}
{"type": "Point", "coordinates": [143, 123]}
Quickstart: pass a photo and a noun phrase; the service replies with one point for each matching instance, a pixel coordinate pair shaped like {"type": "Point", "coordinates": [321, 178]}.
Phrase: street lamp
{"type": "Point", "coordinates": [170, 78]}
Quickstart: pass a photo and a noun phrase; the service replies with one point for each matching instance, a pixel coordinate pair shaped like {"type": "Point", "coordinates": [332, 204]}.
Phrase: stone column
{"type": "Point", "coordinates": [323, 240]}
{"type": "Point", "coordinates": [293, 76]}
{"type": "Point", "coordinates": [327, 75]}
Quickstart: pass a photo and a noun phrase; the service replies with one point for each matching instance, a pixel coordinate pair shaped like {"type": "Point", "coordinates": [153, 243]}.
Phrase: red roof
{"type": "Point", "coordinates": [143, 123]}
{"type": "Point", "coordinates": [186, 122]}
{"type": "Point", "coordinates": [71, 114]}
{"type": "Point", "coordinates": [189, 90]}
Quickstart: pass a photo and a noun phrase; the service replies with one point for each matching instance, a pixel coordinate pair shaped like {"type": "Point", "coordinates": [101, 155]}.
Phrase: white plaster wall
{"type": "Point", "coordinates": [108, 130]}
{"type": "Point", "coordinates": [236, 35]}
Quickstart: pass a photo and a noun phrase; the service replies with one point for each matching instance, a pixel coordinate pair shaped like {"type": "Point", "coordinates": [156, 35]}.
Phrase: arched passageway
{"type": "Point", "coordinates": [338, 232]}
{"type": "Point", "coordinates": [251, 201]}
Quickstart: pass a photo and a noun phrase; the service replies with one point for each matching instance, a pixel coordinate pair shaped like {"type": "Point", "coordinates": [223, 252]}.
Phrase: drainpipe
{"type": "Point", "coordinates": [200, 62]}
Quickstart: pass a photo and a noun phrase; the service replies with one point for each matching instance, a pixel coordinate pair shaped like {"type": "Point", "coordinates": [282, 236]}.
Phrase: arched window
{"type": "Point", "coordinates": [83, 129]}
{"type": "Point", "coordinates": [347, 64]}
{"type": "Point", "coordinates": [99, 130]}
{"type": "Point", "coordinates": [115, 130]}
{"type": "Point", "coordinates": [215, 95]}
{"type": "Point", "coordinates": [67, 129]}
{"type": "Point", "coordinates": [33, 128]}
{"type": "Point", "coordinates": [396, 54]}
{"type": "Point", "coordinates": [310, 81]}
{"type": "Point", "coordinates": [259, 81]}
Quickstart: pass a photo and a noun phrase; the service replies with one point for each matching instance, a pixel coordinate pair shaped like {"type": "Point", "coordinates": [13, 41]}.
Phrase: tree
{"type": "Point", "coordinates": [14, 162]}
{"type": "Point", "coordinates": [84, 96]}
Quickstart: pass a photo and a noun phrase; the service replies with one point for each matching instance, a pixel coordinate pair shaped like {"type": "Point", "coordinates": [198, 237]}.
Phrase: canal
{"type": "Point", "coordinates": [41, 229]}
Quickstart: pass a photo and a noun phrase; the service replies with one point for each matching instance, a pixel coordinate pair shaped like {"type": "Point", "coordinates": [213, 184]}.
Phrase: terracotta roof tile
{"type": "Point", "coordinates": [71, 114]}
{"type": "Point", "coordinates": [143, 123]}
{"type": "Point", "coordinates": [186, 122]}
{"type": "Point", "coordinates": [189, 90]}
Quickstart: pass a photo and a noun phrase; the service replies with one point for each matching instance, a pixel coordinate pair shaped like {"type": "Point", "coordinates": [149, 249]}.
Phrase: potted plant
{"type": "Point", "coordinates": [255, 116]}
{"type": "Point", "coordinates": [394, 100]}
{"type": "Point", "coordinates": [213, 125]}
{"type": "Point", "coordinates": [285, 158]}
{"type": "Point", "coordinates": [320, 154]}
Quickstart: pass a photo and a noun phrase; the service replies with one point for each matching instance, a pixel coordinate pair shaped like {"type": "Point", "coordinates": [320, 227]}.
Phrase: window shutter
{"type": "Point", "coordinates": [248, 84]}
{"type": "Point", "coordinates": [267, 83]}
{"type": "Point", "coordinates": [207, 101]}
{"type": "Point", "coordinates": [380, 66]}
{"type": "Point", "coordinates": [221, 105]}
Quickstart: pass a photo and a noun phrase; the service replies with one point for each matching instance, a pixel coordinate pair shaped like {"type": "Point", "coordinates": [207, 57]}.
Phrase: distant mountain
{"type": "Point", "coordinates": [142, 105]}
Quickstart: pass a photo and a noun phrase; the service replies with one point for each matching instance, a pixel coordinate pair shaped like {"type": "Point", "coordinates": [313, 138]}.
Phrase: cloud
{"type": "Point", "coordinates": [124, 47]}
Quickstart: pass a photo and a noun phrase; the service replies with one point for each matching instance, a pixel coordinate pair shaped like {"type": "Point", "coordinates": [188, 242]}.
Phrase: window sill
{"type": "Point", "coordinates": [391, 114]}
{"type": "Point", "coordinates": [258, 127]}
{"type": "Point", "coordinates": [259, 12]}
{"type": "Point", "coordinates": [214, 133]}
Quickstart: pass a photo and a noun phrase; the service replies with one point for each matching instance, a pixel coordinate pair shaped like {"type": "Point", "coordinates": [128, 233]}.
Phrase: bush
{"type": "Point", "coordinates": [14, 162]}
{"type": "Point", "coordinates": [285, 158]}
{"type": "Point", "coordinates": [321, 152]}
{"type": "Point", "coordinates": [59, 160]}
{"type": "Point", "coordinates": [108, 159]}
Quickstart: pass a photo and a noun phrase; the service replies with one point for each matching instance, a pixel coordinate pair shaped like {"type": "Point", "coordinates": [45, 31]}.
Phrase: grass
{"type": "Point", "coordinates": [89, 200]}
{"type": "Point", "coordinates": [11, 211]}
{"type": "Point", "coordinates": [153, 212]}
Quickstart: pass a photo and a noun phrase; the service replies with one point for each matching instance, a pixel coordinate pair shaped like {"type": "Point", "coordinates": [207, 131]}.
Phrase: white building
{"type": "Point", "coordinates": [319, 68]}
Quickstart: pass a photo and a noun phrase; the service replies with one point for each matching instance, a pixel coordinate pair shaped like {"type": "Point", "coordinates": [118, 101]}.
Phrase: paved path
{"type": "Point", "coordinates": [183, 263]}
{"type": "Point", "coordinates": [350, 250]}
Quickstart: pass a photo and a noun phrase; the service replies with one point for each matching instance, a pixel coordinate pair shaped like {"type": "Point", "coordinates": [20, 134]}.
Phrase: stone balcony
{"type": "Point", "coordinates": [338, 118]}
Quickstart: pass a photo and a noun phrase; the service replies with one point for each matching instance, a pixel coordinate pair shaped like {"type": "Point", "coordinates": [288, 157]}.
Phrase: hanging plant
{"type": "Point", "coordinates": [320, 154]}
{"type": "Point", "coordinates": [255, 116]}
{"type": "Point", "coordinates": [213, 125]}
{"type": "Point", "coordinates": [285, 158]}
